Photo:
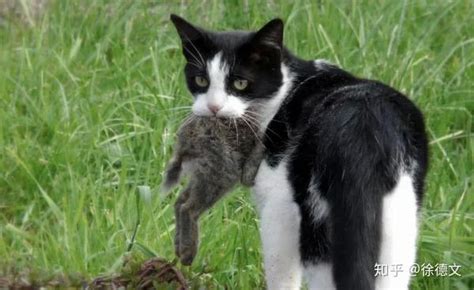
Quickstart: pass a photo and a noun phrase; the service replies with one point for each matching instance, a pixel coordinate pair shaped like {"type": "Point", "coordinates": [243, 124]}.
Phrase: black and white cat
{"type": "Point", "coordinates": [342, 180]}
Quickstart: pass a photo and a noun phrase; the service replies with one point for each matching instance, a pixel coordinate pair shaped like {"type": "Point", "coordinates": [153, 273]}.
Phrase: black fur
{"type": "Point", "coordinates": [352, 135]}
{"type": "Point", "coordinates": [254, 56]}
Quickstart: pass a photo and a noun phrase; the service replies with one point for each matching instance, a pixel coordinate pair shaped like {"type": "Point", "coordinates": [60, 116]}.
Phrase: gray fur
{"type": "Point", "coordinates": [216, 154]}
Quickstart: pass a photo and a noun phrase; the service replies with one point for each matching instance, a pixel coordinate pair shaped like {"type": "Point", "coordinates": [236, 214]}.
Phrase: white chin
{"type": "Point", "coordinates": [231, 107]}
{"type": "Point", "coordinates": [223, 114]}
{"type": "Point", "coordinates": [228, 115]}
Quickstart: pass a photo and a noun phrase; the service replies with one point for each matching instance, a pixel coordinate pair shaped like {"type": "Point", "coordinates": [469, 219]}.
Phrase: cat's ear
{"type": "Point", "coordinates": [187, 32]}
{"type": "Point", "coordinates": [271, 34]}
{"type": "Point", "coordinates": [267, 43]}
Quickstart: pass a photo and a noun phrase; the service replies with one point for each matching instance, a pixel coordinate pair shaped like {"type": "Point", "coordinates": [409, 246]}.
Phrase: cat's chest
{"type": "Point", "coordinates": [272, 184]}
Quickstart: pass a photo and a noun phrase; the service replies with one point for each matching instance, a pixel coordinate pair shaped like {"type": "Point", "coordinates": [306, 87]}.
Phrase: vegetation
{"type": "Point", "coordinates": [92, 92]}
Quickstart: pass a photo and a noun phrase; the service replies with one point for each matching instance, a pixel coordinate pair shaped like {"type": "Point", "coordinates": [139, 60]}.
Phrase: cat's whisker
{"type": "Point", "coordinates": [180, 112]}
{"type": "Point", "coordinates": [254, 125]}
{"type": "Point", "coordinates": [197, 50]}
{"type": "Point", "coordinates": [252, 129]}
{"type": "Point", "coordinates": [236, 129]}
{"type": "Point", "coordinates": [185, 122]}
{"type": "Point", "coordinates": [255, 113]}
{"type": "Point", "coordinates": [188, 120]}
{"type": "Point", "coordinates": [179, 108]}
{"type": "Point", "coordinates": [253, 117]}
{"type": "Point", "coordinates": [257, 122]}
{"type": "Point", "coordinates": [199, 66]}
{"type": "Point", "coordinates": [195, 57]}
{"type": "Point", "coordinates": [263, 136]}
{"type": "Point", "coordinates": [259, 116]}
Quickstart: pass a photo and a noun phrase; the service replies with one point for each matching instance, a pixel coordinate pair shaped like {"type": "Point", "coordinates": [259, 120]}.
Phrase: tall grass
{"type": "Point", "coordinates": [92, 93]}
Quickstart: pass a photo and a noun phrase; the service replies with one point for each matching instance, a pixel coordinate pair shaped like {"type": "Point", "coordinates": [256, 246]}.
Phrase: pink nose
{"type": "Point", "coordinates": [214, 108]}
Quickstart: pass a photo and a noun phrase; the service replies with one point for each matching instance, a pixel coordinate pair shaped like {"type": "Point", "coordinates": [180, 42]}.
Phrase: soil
{"type": "Point", "coordinates": [155, 273]}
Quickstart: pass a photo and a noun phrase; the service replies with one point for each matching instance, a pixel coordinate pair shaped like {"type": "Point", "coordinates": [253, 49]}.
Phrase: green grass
{"type": "Point", "coordinates": [87, 116]}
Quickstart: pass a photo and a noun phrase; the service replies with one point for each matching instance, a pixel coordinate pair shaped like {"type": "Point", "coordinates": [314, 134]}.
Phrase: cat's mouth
{"type": "Point", "coordinates": [221, 106]}
{"type": "Point", "coordinates": [247, 114]}
{"type": "Point", "coordinates": [223, 113]}
{"type": "Point", "coordinates": [249, 119]}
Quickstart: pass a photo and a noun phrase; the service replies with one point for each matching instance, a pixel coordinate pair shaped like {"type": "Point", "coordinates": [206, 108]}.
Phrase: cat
{"type": "Point", "coordinates": [216, 153]}
{"type": "Point", "coordinates": [341, 183]}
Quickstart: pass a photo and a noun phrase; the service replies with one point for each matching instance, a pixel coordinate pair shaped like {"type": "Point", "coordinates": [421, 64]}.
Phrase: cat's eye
{"type": "Point", "coordinates": [201, 81]}
{"type": "Point", "coordinates": [240, 84]}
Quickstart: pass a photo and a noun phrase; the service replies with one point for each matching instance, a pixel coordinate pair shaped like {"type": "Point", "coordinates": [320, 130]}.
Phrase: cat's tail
{"type": "Point", "coordinates": [172, 175]}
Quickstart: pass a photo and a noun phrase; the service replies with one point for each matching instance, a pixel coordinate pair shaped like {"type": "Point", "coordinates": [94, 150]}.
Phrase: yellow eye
{"type": "Point", "coordinates": [201, 81]}
{"type": "Point", "coordinates": [240, 84]}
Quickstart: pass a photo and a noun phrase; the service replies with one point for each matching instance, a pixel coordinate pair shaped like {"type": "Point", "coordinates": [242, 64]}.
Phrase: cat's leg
{"type": "Point", "coordinates": [279, 227]}
{"type": "Point", "coordinates": [372, 207]}
{"type": "Point", "coordinates": [374, 225]}
{"type": "Point", "coordinates": [399, 235]}
{"type": "Point", "coordinates": [319, 276]}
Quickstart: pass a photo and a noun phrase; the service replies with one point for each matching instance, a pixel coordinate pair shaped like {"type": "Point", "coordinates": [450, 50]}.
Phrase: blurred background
{"type": "Point", "coordinates": [92, 92]}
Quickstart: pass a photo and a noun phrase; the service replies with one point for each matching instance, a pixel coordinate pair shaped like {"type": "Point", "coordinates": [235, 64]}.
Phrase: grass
{"type": "Point", "coordinates": [91, 95]}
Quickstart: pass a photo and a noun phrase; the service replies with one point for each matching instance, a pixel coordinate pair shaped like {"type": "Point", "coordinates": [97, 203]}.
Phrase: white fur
{"type": "Point", "coordinates": [318, 205]}
{"type": "Point", "coordinates": [279, 214]}
{"type": "Point", "coordinates": [216, 95]}
{"type": "Point", "coordinates": [399, 234]}
{"type": "Point", "coordinates": [279, 227]}
{"type": "Point", "coordinates": [319, 277]}
{"type": "Point", "coordinates": [274, 103]}
{"type": "Point", "coordinates": [322, 63]}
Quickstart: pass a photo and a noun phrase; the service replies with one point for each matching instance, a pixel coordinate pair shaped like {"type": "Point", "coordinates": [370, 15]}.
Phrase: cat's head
{"type": "Point", "coordinates": [235, 72]}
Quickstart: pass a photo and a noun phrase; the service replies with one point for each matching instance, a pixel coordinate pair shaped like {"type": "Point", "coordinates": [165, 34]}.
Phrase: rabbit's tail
{"type": "Point", "coordinates": [172, 175]}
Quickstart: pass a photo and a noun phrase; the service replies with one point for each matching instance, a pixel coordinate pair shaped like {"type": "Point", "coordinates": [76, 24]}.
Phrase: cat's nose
{"type": "Point", "coordinates": [214, 108]}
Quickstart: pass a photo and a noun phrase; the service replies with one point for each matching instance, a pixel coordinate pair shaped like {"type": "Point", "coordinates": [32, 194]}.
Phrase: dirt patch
{"type": "Point", "coordinates": [155, 273]}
